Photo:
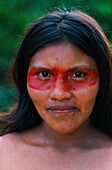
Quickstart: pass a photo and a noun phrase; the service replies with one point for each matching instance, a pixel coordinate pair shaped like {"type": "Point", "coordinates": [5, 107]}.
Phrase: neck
{"type": "Point", "coordinates": [77, 138]}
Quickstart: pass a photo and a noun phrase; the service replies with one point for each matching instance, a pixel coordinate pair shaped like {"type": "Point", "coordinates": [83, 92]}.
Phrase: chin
{"type": "Point", "coordinates": [65, 130]}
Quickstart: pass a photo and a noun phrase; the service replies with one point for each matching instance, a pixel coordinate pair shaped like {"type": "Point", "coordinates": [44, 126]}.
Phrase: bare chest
{"type": "Point", "coordinates": [52, 159]}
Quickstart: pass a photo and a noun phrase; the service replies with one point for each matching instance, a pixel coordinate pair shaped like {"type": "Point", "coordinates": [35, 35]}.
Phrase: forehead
{"type": "Point", "coordinates": [62, 55]}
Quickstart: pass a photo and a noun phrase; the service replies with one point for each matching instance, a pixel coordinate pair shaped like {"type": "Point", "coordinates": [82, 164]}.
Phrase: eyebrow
{"type": "Point", "coordinates": [35, 68]}
{"type": "Point", "coordinates": [82, 67]}
{"type": "Point", "coordinates": [72, 68]}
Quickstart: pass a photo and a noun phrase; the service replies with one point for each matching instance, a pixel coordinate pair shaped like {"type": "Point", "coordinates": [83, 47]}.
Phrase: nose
{"type": "Point", "coordinates": [60, 92]}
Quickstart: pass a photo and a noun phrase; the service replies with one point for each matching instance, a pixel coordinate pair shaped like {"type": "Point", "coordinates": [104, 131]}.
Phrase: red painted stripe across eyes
{"type": "Point", "coordinates": [60, 79]}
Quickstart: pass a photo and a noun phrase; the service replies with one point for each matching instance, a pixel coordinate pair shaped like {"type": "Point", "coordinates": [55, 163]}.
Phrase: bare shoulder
{"type": "Point", "coordinates": [8, 145]}
{"type": "Point", "coordinates": [108, 145]}
{"type": "Point", "coordinates": [8, 141]}
{"type": "Point", "coordinates": [5, 146]}
{"type": "Point", "coordinates": [106, 153]}
{"type": "Point", "coordinates": [12, 137]}
{"type": "Point", "coordinates": [104, 147]}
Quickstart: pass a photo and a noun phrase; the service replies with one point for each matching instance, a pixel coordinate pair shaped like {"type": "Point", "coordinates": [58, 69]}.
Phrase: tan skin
{"type": "Point", "coordinates": [66, 139]}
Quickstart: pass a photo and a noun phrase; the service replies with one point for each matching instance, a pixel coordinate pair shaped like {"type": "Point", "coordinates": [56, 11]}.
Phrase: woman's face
{"type": "Point", "coordinates": [63, 83]}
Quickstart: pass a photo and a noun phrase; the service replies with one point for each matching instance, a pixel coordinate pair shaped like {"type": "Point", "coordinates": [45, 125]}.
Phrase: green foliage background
{"type": "Point", "coordinates": [16, 15]}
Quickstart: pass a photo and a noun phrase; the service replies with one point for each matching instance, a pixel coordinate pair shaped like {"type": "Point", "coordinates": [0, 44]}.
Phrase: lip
{"type": "Point", "coordinates": [63, 111]}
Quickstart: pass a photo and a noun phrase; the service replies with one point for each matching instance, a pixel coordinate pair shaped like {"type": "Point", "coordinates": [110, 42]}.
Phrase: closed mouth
{"type": "Point", "coordinates": [63, 110]}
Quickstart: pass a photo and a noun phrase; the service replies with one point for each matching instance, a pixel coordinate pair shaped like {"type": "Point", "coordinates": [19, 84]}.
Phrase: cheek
{"type": "Point", "coordinates": [86, 97]}
{"type": "Point", "coordinates": [85, 84]}
{"type": "Point", "coordinates": [39, 98]}
{"type": "Point", "coordinates": [37, 83]}
{"type": "Point", "coordinates": [89, 80]}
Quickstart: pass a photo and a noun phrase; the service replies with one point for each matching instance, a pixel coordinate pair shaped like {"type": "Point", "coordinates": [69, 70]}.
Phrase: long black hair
{"type": "Point", "coordinates": [79, 29]}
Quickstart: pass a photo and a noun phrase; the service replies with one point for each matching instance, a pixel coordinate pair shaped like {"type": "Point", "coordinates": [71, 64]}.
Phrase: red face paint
{"type": "Point", "coordinates": [70, 80]}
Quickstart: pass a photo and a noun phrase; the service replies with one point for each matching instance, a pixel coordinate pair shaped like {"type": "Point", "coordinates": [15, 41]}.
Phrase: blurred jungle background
{"type": "Point", "coordinates": [16, 15]}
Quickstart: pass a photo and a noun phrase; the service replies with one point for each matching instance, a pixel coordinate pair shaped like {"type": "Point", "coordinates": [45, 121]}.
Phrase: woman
{"type": "Point", "coordinates": [63, 118]}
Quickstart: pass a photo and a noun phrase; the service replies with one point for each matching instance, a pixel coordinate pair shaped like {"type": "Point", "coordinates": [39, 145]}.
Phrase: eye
{"type": "Point", "coordinates": [79, 74]}
{"type": "Point", "coordinates": [44, 75]}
